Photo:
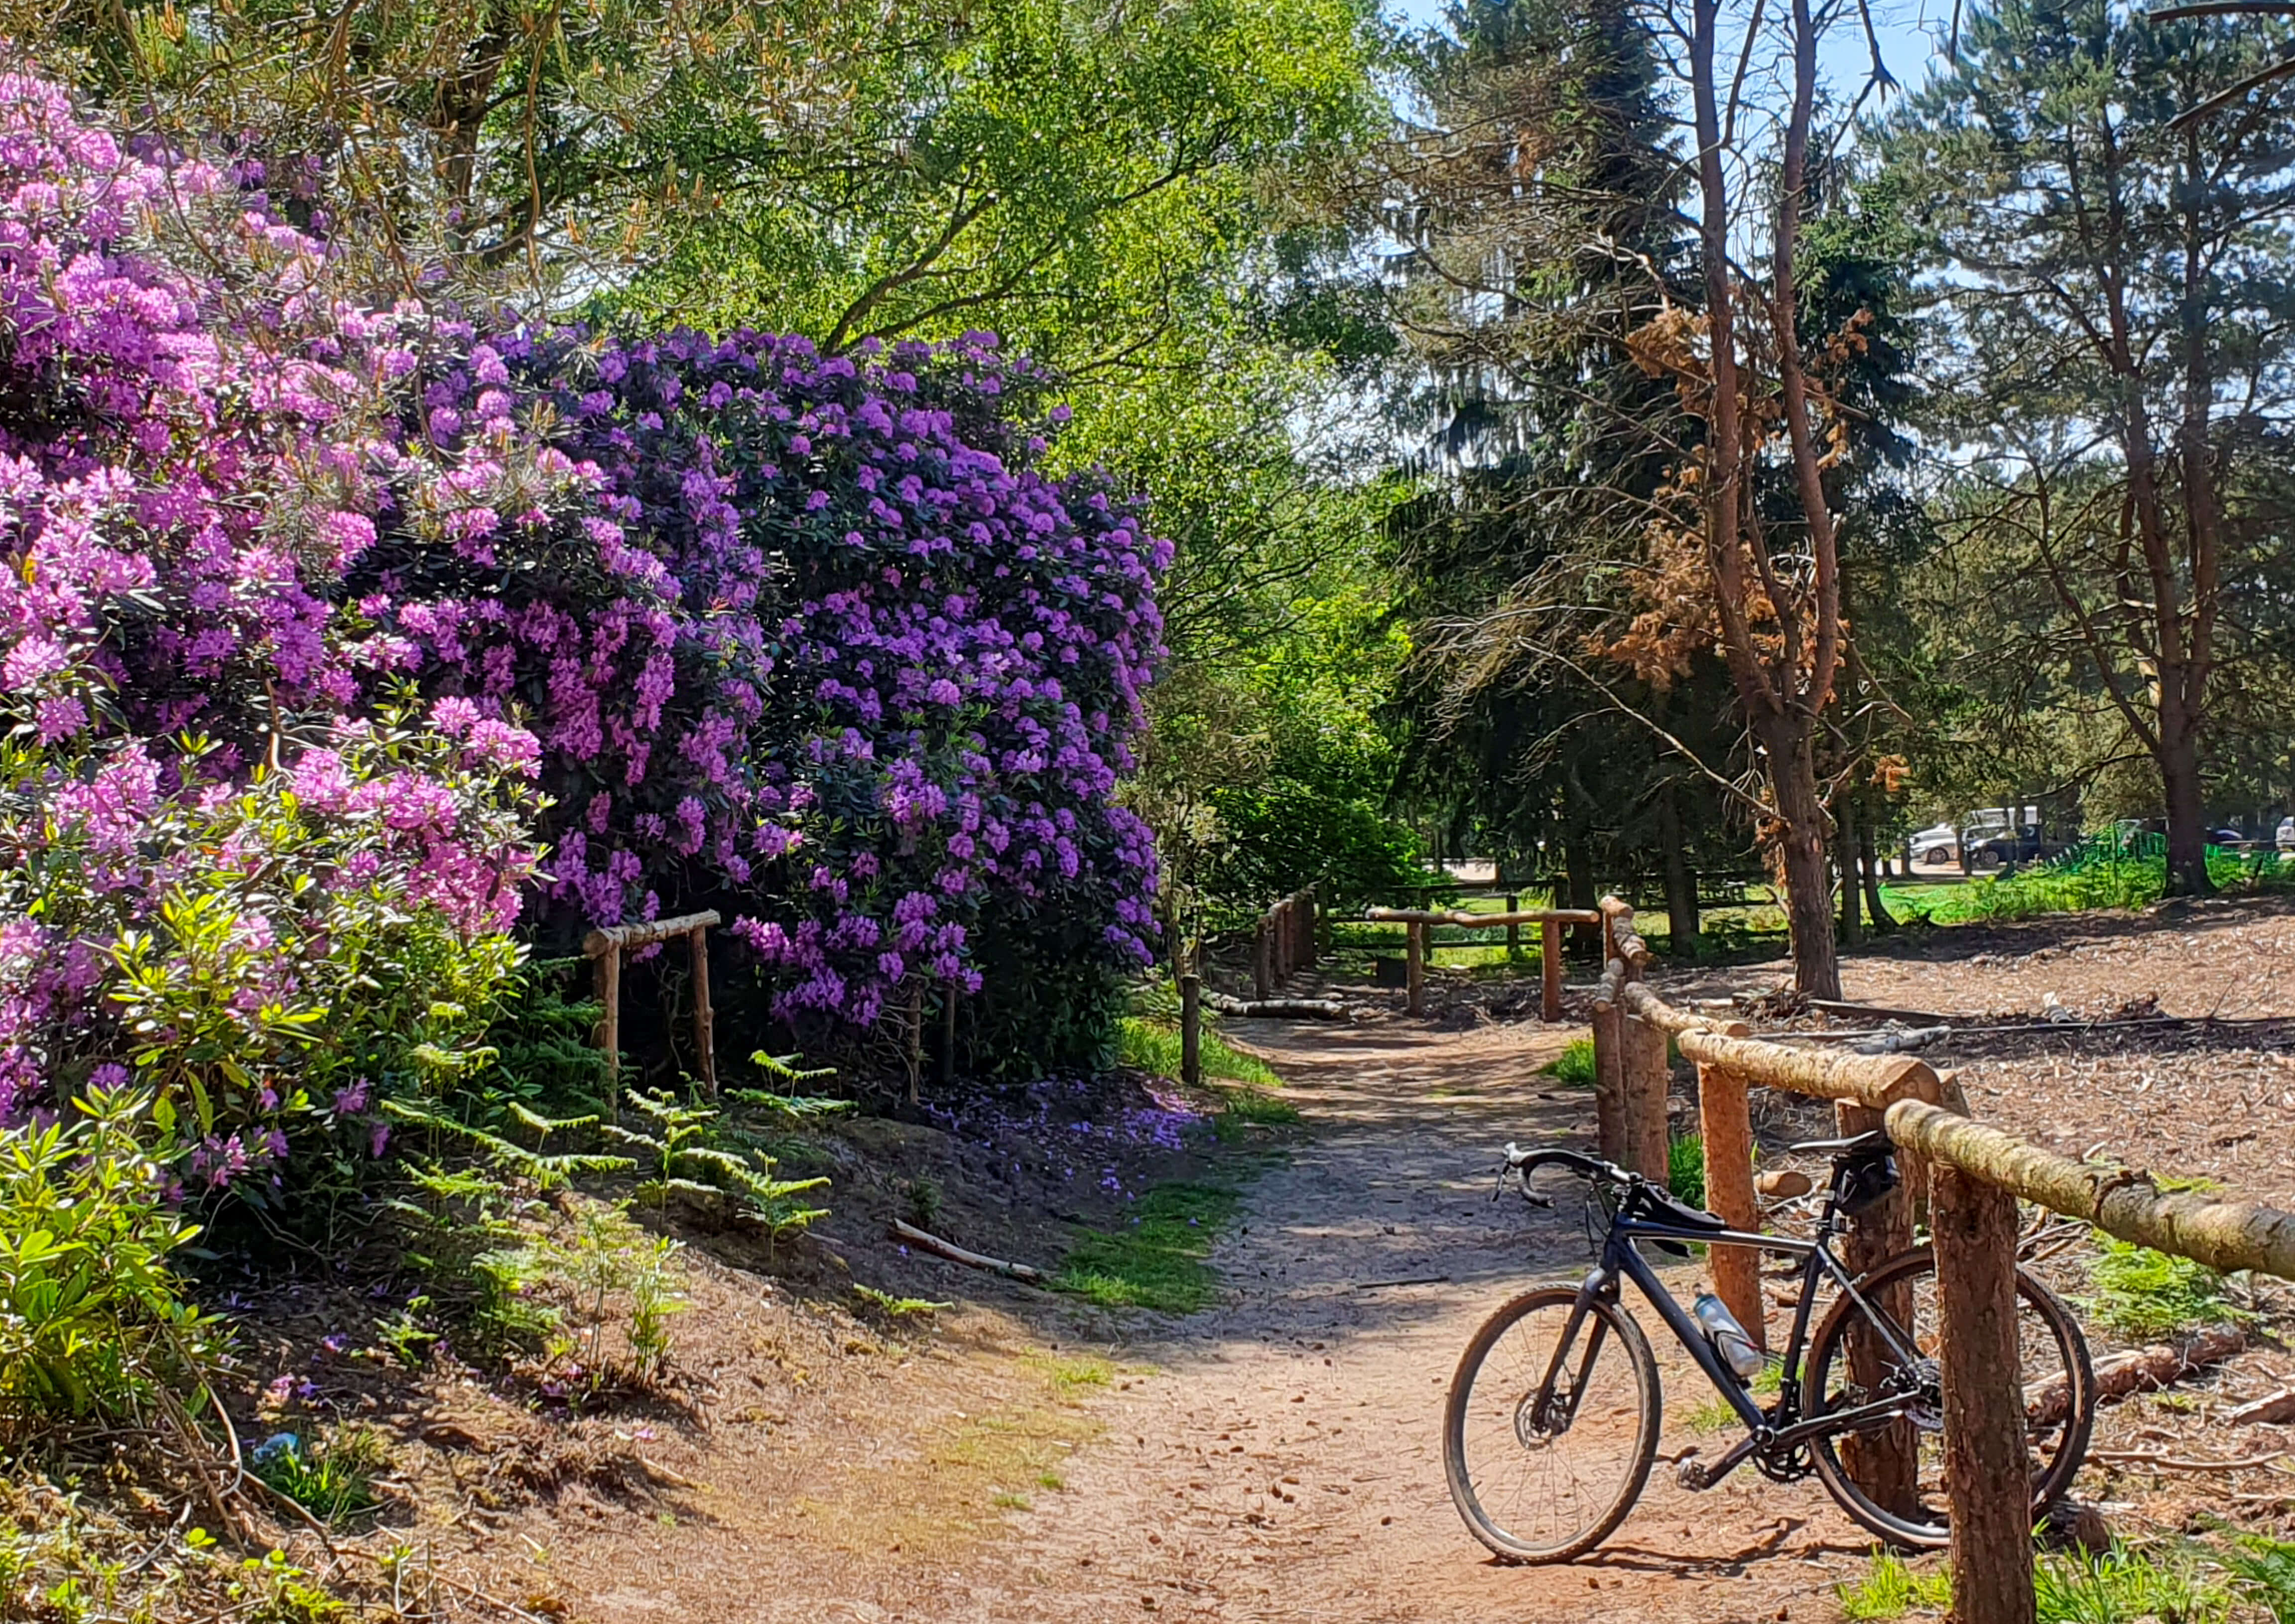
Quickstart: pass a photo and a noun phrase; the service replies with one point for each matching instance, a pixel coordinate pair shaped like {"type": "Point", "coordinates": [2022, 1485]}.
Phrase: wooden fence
{"type": "Point", "coordinates": [1419, 944]}
{"type": "Point", "coordinates": [606, 945]}
{"type": "Point", "coordinates": [1967, 1176]}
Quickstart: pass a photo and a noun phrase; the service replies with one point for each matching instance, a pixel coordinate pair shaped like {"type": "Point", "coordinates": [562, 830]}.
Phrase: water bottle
{"type": "Point", "coordinates": [1736, 1348]}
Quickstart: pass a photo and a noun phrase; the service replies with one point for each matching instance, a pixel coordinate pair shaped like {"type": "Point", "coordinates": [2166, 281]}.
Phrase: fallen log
{"type": "Point", "coordinates": [2269, 1411]}
{"type": "Point", "coordinates": [955, 1253]}
{"type": "Point", "coordinates": [2141, 1370]}
{"type": "Point", "coordinates": [1276, 1009]}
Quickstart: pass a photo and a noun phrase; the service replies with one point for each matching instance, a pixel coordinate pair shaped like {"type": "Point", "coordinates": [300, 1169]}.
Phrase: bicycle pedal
{"type": "Point", "coordinates": [1691, 1473]}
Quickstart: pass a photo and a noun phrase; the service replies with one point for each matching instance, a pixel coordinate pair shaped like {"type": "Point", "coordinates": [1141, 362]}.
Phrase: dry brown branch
{"type": "Point", "coordinates": [955, 1253]}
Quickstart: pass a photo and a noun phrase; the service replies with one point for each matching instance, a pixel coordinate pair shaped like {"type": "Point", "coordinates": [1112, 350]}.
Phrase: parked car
{"type": "Point", "coordinates": [1937, 843]}
{"type": "Point", "coordinates": [2287, 835]}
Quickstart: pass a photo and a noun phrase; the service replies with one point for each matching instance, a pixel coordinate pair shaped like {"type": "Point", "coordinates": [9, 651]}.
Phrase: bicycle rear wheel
{"type": "Point", "coordinates": [1545, 1472]}
{"type": "Point", "coordinates": [1849, 1365]}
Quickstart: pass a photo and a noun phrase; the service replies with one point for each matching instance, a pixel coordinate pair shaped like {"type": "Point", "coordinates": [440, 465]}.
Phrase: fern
{"type": "Point", "coordinates": [682, 1157]}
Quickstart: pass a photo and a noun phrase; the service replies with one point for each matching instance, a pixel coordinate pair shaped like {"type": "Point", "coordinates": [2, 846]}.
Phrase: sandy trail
{"type": "Point", "coordinates": [1284, 1462]}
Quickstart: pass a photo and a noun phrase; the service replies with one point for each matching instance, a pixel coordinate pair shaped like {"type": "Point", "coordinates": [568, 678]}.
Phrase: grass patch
{"type": "Point", "coordinates": [1149, 1046]}
{"type": "Point", "coordinates": [1069, 1377]}
{"type": "Point", "coordinates": [332, 1478]}
{"type": "Point", "coordinates": [1890, 1590]}
{"type": "Point", "coordinates": [1714, 1414]}
{"type": "Point", "coordinates": [2143, 1294]}
{"type": "Point", "coordinates": [1684, 1169]}
{"type": "Point", "coordinates": [2128, 1583]}
{"type": "Point", "coordinates": [1156, 1260]}
{"type": "Point", "coordinates": [1242, 1109]}
{"type": "Point", "coordinates": [1574, 1064]}
{"type": "Point", "coordinates": [899, 1308]}
{"type": "Point", "coordinates": [2183, 1584]}
{"type": "Point", "coordinates": [2263, 1572]}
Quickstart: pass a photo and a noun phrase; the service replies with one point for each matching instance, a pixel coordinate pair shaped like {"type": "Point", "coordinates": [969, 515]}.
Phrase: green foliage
{"type": "Point", "coordinates": [2141, 1294]}
{"type": "Point", "coordinates": [2126, 1584]}
{"type": "Point", "coordinates": [920, 1200]}
{"type": "Point", "coordinates": [681, 1153]}
{"type": "Point", "coordinates": [1154, 1046]}
{"type": "Point", "coordinates": [1256, 1108]}
{"type": "Point", "coordinates": [92, 1315]}
{"type": "Point", "coordinates": [2263, 1572]}
{"type": "Point", "coordinates": [898, 1308]}
{"type": "Point", "coordinates": [1888, 1589]}
{"type": "Point", "coordinates": [1574, 1064]}
{"type": "Point", "coordinates": [2099, 873]}
{"type": "Point", "coordinates": [1156, 1258]}
{"type": "Point", "coordinates": [331, 1477]}
{"type": "Point", "coordinates": [1684, 1169]}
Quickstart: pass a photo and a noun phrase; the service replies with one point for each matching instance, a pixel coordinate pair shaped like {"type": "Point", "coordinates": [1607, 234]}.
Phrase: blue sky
{"type": "Point", "coordinates": [1911, 32]}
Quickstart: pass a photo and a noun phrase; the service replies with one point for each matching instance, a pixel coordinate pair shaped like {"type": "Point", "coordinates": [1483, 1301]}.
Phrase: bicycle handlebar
{"type": "Point", "coordinates": [1529, 1163]}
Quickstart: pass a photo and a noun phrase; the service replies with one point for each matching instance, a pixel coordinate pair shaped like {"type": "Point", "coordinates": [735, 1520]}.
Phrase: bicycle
{"type": "Point", "coordinates": [1552, 1422]}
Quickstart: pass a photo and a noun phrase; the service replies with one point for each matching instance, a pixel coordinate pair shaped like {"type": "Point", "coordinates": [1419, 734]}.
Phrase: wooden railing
{"type": "Point", "coordinates": [1284, 943]}
{"type": "Point", "coordinates": [606, 946]}
{"type": "Point", "coordinates": [1420, 923]}
{"type": "Point", "coordinates": [1968, 1176]}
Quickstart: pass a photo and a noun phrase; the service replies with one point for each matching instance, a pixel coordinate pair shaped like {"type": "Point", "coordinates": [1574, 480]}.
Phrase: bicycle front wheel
{"type": "Point", "coordinates": [1901, 1462]}
{"type": "Point", "coordinates": [1547, 1446]}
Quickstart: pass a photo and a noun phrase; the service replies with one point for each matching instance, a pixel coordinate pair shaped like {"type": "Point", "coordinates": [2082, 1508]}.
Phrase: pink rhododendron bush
{"type": "Point", "coordinates": [346, 647]}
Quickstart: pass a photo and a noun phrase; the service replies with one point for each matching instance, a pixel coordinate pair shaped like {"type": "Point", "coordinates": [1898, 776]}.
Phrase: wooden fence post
{"type": "Point", "coordinates": [1726, 1129]}
{"type": "Point", "coordinates": [1307, 927]}
{"type": "Point", "coordinates": [609, 1025]}
{"type": "Point", "coordinates": [1262, 962]}
{"type": "Point", "coordinates": [1415, 957]}
{"type": "Point", "coordinates": [1514, 930]}
{"type": "Point", "coordinates": [1884, 1464]}
{"type": "Point", "coordinates": [1645, 1077]}
{"type": "Point", "coordinates": [947, 1034]}
{"type": "Point", "coordinates": [1191, 1030]}
{"type": "Point", "coordinates": [1549, 970]}
{"type": "Point", "coordinates": [1609, 1075]}
{"type": "Point", "coordinates": [704, 1018]}
{"type": "Point", "coordinates": [1986, 1470]}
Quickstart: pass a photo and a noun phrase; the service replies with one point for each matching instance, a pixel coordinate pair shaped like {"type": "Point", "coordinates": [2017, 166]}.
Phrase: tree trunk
{"type": "Point", "coordinates": [1844, 847]}
{"type": "Point", "coordinates": [1681, 882]}
{"type": "Point", "coordinates": [1801, 846]}
{"type": "Point", "coordinates": [1585, 940]}
{"type": "Point", "coordinates": [2179, 778]}
{"type": "Point", "coordinates": [1868, 862]}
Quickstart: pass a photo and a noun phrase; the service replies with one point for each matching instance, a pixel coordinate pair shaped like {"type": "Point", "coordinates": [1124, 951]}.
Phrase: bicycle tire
{"type": "Point", "coordinates": [2071, 1445]}
{"type": "Point", "coordinates": [1633, 1465]}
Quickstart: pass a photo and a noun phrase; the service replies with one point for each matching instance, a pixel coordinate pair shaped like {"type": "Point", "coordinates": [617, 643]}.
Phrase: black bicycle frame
{"type": "Point", "coordinates": [1621, 1260]}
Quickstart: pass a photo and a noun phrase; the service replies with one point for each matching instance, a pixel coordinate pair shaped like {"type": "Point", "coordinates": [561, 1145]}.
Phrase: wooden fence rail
{"type": "Point", "coordinates": [1419, 924]}
{"type": "Point", "coordinates": [606, 945]}
{"type": "Point", "coordinates": [1970, 1178]}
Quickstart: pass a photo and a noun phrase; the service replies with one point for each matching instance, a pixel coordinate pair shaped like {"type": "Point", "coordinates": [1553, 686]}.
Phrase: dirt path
{"type": "Point", "coordinates": [1284, 1462]}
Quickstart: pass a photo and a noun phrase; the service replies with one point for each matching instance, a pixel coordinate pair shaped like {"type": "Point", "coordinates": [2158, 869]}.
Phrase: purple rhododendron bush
{"type": "Point", "coordinates": [347, 647]}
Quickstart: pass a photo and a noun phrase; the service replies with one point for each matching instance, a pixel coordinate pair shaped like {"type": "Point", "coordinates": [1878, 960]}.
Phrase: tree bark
{"type": "Point", "coordinates": [1802, 848]}
{"type": "Point", "coordinates": [2179, 778]}
{"type": "Point", "coordinates": [1986, 1467]}
{"type": "Point", "coordinates": [1578, 873]}
{"type": "Point", "coordinates": [1868, 863]}
{"type": "Point", "coordinates": [1844, 863]}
